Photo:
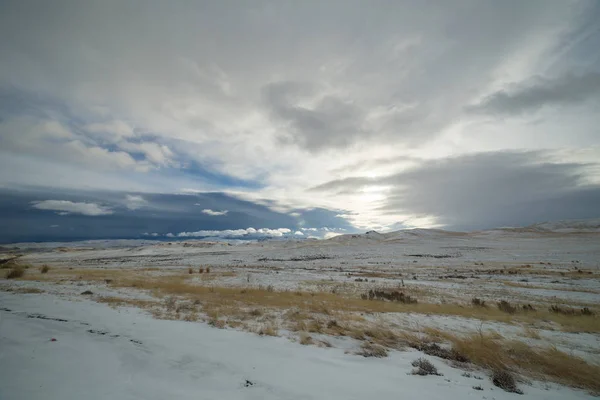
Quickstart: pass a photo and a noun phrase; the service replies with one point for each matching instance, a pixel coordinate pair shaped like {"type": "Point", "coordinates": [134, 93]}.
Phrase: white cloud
{"type": "Point", "coordinates": [298, 233]}
{"type": "Point", "coordinates": [329, 235]}
{"type": "Point", "coordinates": [65, 207]}
{"type": "Point", "coordinates": [154, 153]}
{"type": "Point", "coordinates": [117, 129]}
{"type": "Point", "coordinates": [250, 232]}
{"type": "Point", "coordinates": [214, 213]}
{"type": "Point", "coordinates": [133, 202]}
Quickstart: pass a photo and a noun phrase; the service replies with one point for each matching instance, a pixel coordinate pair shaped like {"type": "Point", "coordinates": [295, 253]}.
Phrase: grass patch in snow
{"type": "Point", "coordinates": [234, 299]}
{"type": "Point", "coordinates": [495, 353]}
{"type": "Point", "coordinates": [368, 349]}
{"type": "Point", "coordinates": [424, 367]}
{"type": "Point", "coordinates": [17, 271]}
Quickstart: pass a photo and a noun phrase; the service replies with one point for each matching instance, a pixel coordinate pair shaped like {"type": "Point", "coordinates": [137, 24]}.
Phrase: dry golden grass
{"type": "Point", "coordinates": [24, 290]}
{"type": "Point", "coordinates": [230, 299]}
{"type": "Point", "coordinates": [539, 363]}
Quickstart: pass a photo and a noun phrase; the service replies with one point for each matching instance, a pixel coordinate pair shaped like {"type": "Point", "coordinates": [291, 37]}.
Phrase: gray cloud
{"type": "Point", "coordinates": [65, 207]}
{"type": "Point", "coordinates": [486, 190]}
{"type": "Point", "coordinates": [539, 92]}
{"type": "Point", "coordinates": [329, 122]}
{"type": "Point", "coordinates": [261, 97]}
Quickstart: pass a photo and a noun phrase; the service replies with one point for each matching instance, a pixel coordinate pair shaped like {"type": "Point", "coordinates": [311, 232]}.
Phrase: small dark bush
{"type": "Point", "coordinates": [200, 270]}
{"type": "Point", "coordinates": [434, 349]}
{"type": "Point", "coordinates": [87, 293]}
{"type": "Point", "coordinates": [528, 307]}
{"type": "Point", "coordinates": [505, 380]}
{"type": "Point", "coordinates": [424, 367]}
{"type": "Point", "coordinates": [477, 302]}
{"type": "Point", "coordinates": [208, 270]}
{"type": "Point", "coordinates": [44, 269]}
{"type": "Point", "coordinates": [571, 311]}
{"type": "Point", "coordinates": [477, 387]}
{"type": "Point", "coordinates": [586, 311]}
{"type": "Point", "coordinates": [505, 306]}
{"type": "Point", "coordinates": [372, 350]}
{"type": "Point", "coordinates": [16, 272]}
{"type": "Point", "coordinates": [190, 270]}
{"type": "Point", "coordinates": [390, 295]}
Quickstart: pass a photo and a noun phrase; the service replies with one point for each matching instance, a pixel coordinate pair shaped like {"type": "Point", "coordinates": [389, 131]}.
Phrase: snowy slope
{"type": "Point", "coordinates": [101, 353]}
{"type": "Point", "coordinates": [573, 225]}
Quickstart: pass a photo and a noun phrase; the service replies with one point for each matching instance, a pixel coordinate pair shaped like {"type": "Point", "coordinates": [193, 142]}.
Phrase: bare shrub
{"type": "Point", "coordinates": [587, 312]}
{"type": "Point", "coordinates": [476, 302]}
{"type": "Point", "coordinates": [477, 387]}
{"type": "Point", "coordinates": [268, 330]}
{"type": "Point", "coordinates": [208, 270]}
{"type": "Point", "coordinates": [170, 303]}
{"type": "Point", "coordinates": [372, 350]}
{"type": "Point", "coordinates": [217, 323]}
{"type": "Point", "coordinates": [45, 268]}
{"type": "Point", "coordinates": [528, 307]}
{"type": "Point", "coordinates": [505, 306]}
{"type": "Point", "coordinates": [390, 295]}
{"type": "Point", "coordinates": [15, 272]}
{"type": "Point", "coordinates": [434, 349]}
{"type": "Point", "coordinates": [190, 270]}
{"type": "Point", "coordinates": [424, 367]}
{"type": "Point", "coordinates": [505, 380]}
{"type": "Point", "coordinates": [256, 312]}
{"type": "Point", "coordinates": [305, 339]}
{"type": "Point", "coordinates": [200, 270]}
{"type": "Point", "coordinates": [570, 311]}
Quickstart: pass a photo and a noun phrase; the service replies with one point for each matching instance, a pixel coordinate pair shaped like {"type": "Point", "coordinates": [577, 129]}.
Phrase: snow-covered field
{"type": "Point", "coordinates": [102, 353]}
{"type": "Point", "coordinates": [128, 353]}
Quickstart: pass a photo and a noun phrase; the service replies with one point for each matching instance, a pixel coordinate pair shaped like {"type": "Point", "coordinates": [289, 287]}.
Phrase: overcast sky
{"type": "Point", "coordinates": [376, 115]}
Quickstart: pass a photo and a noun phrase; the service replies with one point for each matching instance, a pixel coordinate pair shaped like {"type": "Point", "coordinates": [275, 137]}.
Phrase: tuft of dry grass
{"type": "Point", "coordinates": [368, 349]}
{"type": "Point", "coordinates": [424, 367]}
{"type": "Point", "coordinates": [478, 302]}
{"type": "Point", "coordinates": [15, 272]}
{"type": "Point", "coordinates": [506, 307]}
{"type": "Point", "coordinates": [268, 330]}
{"type": "Point", "coordinates": [44, 269]}
{"type": "Point", "coordinates": [305, 339]}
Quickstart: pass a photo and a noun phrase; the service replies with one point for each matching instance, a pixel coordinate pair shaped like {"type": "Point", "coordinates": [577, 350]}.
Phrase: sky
{"type": "Point", "coordinates": [295, 119]}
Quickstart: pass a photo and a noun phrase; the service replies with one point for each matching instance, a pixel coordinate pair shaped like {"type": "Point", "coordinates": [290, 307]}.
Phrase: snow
{"type": "Point", "coordinates": [138, 357]}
